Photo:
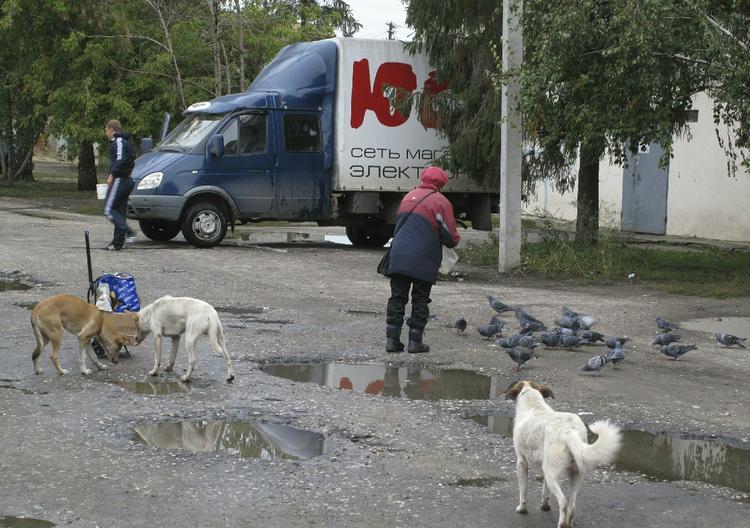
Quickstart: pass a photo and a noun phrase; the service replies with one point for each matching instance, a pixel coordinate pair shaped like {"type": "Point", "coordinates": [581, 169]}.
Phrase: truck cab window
{"type": "Point", "coordinates": [302, 133]}
{"type": "Point", "coordinates": [246, 134]}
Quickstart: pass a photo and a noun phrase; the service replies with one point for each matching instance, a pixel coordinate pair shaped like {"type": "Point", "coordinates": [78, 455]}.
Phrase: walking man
{"type": "Point", "coordinates": [121, 161]}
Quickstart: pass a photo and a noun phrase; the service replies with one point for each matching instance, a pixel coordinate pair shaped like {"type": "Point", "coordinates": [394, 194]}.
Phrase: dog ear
{"type": "Point", "coordinates": [513, 391]}
{"type": "Point", "coordinates": [546, 392]}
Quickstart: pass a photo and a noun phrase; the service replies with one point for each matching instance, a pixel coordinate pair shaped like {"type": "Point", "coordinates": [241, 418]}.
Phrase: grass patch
{"type": "Point", "coordinates": [708, 273]}
{"type": "Point", "coordinates": [58, 193]}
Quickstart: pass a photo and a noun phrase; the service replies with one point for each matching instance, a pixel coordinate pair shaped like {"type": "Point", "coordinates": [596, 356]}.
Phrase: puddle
{"type": "Point", "coordinates": [237, 310]}
{"type": "Point", "coordinates": [27, 305]}
{"type": "Point", "coordinates": [10, 521]}
{"type": "Point", "coordinates": [154, 388]}
{"type": "Point", "coordinates": [245, 439]}
{"type": "Point", "coordinates": [412, 383]}
{"type": "Point", "coordinates": [667, 457]}
{"type": "Point", "coordinates": [25, 391]}
{"type": "Point", "coordinates": [478, 482]}
{"type": "Point", "coordinates": [739, 326]}
{"type": "Point", "coordinates": [7, 285]}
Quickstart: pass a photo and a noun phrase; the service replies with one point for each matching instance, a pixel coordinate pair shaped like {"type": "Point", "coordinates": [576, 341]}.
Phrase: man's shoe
{"type": "Point", "coordinates": [111, 247]}
{"type": "Point", "coordinates": [393, 342]}
{"type": "Point", "coordinates": [130, 238]}
{"type": "Point", "coordinates": [415, 342]}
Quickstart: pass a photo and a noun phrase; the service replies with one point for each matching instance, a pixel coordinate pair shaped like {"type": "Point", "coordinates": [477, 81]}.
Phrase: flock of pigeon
{"type": "Point", "coordinates": [573, 330]}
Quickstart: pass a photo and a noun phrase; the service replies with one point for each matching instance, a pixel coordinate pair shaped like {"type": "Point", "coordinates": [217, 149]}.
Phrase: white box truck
{"type": "Point", "coordinates": [314, 138]}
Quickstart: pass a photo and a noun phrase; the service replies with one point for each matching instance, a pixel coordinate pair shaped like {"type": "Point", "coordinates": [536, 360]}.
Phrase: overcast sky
{"type": "Point", "coordinates": [374, 16]}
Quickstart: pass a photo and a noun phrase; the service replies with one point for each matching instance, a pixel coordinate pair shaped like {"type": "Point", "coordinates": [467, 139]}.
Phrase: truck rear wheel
{"type": "Point", "coordinates": [368, 236]}
{"type": "Point", "coordinates": [160, 231]}
{"type": "Point", "coordinates": [204, 224]}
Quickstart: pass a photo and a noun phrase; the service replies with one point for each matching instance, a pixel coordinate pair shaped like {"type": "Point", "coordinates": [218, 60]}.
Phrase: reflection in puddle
{"type": "Point", "coordinates": [246, 439]}
{"type": "Point", "coordinates": [154, 388]}
{"type": "Point", "coordinates": [739, 326]}
{"type": "Point", "coordinates": [478, 482]}
{"type": "Point", "coordinates": [23, 522]}
{"type": "Point", "coordinates": [27, 305]}
{"type": "Point", "coordinates": [666, 457]}
{"type": "Point", "coordinates": [238, 310]}
{"type": "Point", "coordinates": [413, 383]}
{"type": "Point", "coordinates": [7, 285]}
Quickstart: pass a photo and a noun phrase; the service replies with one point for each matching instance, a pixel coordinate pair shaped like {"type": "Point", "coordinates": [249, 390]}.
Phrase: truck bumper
{"type": "Point", "coordinates": [154, 207]}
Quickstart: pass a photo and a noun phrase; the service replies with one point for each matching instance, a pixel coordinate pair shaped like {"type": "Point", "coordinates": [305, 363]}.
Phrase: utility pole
{"type": "Point", "coordinates": [391, 27]}
{"type": "Point", "coordinates": [509, 236]}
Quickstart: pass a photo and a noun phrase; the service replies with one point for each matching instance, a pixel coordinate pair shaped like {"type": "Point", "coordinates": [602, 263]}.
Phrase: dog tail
{"type": "Point", "coordinates": [603, 451]}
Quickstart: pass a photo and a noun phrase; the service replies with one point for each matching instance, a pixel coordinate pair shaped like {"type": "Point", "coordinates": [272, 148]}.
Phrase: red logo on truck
{"type": "Point", "coordinates": [369, 96]}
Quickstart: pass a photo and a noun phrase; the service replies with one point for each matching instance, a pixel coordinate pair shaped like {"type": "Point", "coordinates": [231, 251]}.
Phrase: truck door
{"type": "Point", "coordinates": [247, 170]}
{"type": "Point", "coordinates": [302, 185]}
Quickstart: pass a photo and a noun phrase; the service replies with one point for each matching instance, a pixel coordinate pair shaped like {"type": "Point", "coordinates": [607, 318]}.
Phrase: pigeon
{"type": "Point", "coordinates": [550, 339]}
{"type": "Point", "coordinates": [498, 305]}
{"type": "Point", "coordinates": [586, 321]}
{"type": "Point", "coordinates": [568, 322]}
{"type": "Point", "coordinates": [524, 316]}
{"type": "Point", "coordinates": [567, 312]}
{"type": "Point", "coordinates": [510, 342]}
{"type": "Point", "coordinates": [594, 364]}
{"type": "Point", "coordinates": [591, 336]}
{"type": "Point", "coordinates": [520, 356]}
{"type": "Point", "coordinates": [676, 350]}
{"type": "Point", "coordinates": [729, 340]}
{"type": "Point", "coordinates": [529, 327]}
{"type": "Point", "coordinates": [495, 321]}
{"type": "Point", "coordinates": [460, 325]}
{"type": "Point", "coordinates": [616, 355]}
{"type": "Point", "coordinates": [666, 326]}
{"type": "Point", "coordinates": [664, 339]}
{"type": "Point", "coordinates": [611, 341]}
{"type": "Point", "coordinates": [572, 341]}
{"type": "Point", "coordinates": [528, 342]}
{"type": "Point", "coordinates": [488, 330]}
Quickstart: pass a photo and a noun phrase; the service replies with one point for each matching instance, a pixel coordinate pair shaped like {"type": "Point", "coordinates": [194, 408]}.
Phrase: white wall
{"type": "Point", "coordinates": [702, 200]}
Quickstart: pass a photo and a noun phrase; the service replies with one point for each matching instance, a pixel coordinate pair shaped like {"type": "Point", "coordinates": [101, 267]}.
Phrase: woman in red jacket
{"type": "Point", "coordinates": [425, 224]}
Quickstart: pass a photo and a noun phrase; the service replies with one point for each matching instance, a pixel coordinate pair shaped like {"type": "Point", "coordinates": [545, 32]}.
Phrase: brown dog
{"type": "Point", "coordinates": [86, 321]}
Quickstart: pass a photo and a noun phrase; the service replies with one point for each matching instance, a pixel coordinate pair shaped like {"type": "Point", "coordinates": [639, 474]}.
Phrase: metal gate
{"type": "Point", "coordinates": [644, 191]}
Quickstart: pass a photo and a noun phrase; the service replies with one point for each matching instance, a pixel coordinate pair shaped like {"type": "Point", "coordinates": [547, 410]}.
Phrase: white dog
{"type": "Point", "coordinates": [175, 316]}
{"type": "Point", "coordinates": [556, 441]}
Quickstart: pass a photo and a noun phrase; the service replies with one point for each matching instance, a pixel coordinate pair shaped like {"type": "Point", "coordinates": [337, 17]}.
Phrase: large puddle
{"type": "Point", "coordinates": [739, 326]}
{"type": "Point", "coordinates": [667, 457]}
{"type": "Point", "coordinates": [245, 439]}
{"type": "Point", "coordinates": [413, 383]}
{"type": "Point", "coordinates": [9, 521]}
{"type": "Point", "coordinates": [154, 388]}
{"type": "Point", "coordinates": [7, 285]}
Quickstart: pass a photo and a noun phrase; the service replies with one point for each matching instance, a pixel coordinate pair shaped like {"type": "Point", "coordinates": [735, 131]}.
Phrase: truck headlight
{"type": "Point", "coordinates": [150, 181]}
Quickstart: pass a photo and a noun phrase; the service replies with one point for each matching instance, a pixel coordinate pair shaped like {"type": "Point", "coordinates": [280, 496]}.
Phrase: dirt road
{"type": "Point", "coordinates": [71, 454]}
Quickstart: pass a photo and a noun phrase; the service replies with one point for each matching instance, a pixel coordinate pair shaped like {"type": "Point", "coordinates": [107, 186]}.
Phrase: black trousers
{"type": "Point", "coordinates": [420, 300]}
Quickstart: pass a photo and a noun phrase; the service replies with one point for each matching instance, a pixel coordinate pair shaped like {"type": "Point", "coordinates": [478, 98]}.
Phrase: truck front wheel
{"type": "Point", "coordinates": [366, 236]}
{"type": "Point", "coordinates": [204, 224]}
{"type": "Point", "coordinates": [160, 231]}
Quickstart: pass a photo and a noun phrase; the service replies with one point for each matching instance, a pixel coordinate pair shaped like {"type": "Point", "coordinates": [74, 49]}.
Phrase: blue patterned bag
{"type": "Point", "coordinates": [122, 285]}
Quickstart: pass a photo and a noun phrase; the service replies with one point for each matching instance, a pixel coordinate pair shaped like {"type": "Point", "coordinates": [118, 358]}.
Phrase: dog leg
{"type": "Point", "coordinates": [522, 472]}
{"type": "Point", "coordinates": [190, 340]}
{"type": "Point", "coordinates": [157, 354]}
{"type": "Point", "coordinates": [217, 340]}
{"type": "Point", "coordinates": [545, 496]}
{"type": "Point", "coordinates": [173, 353]}
{"type": "Point", "coordinates": [95, 360]}
{"type": "Point", "coordinates": [83, 345]}
{"type": "Point", "coordinates": [56, 340]}
{"type": "Point", "coordinates": [576, 480]}
{"type": "Point", "coordinates": [553, 483]}
{"type": "Point", "coordinates": [41, 342]}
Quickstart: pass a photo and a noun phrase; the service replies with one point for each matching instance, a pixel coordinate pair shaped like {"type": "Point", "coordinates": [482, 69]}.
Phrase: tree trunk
{"type": "Point", "coordinates": [170, 49]}
{"type": "Point", "coordinates": [214, 7]}
{"type": "Point", "coordinates": [587, 220]}
{"type": "Point", "coordinates": [241, 47]}
{"type": "Point", "coordinates": [86, 167]}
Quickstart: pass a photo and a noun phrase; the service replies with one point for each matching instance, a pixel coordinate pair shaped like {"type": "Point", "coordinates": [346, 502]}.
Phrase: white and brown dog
{"type": "Point", "coordinates": [67, 312]}
{"type": "Point", "coordinates": [177, 316]}
{"type": "Point", "coordinates": [556, 441]}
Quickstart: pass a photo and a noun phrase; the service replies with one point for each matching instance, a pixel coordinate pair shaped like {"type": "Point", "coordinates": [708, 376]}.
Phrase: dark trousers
{"type": "Point", "coordinates": [420, 300]}
{"type": "Point", "coordinates": [116, 208]}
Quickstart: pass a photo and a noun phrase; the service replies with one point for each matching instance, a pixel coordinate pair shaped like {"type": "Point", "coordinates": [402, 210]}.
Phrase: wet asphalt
{"type": "Point", "coordinates": [69, 456]}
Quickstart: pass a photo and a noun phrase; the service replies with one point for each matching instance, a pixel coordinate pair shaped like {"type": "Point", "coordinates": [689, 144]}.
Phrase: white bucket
{"type": "Point", "coordinates": [101, 190]}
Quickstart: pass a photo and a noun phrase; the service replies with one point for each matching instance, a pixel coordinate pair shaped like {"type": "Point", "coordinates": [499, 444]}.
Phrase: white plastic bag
{"type": "Point", "coordinates": [450, 258]}
{"type": "Point", "coordinates": [103, 301]}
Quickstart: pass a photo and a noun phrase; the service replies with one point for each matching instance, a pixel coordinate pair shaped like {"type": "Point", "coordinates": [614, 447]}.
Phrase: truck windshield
{"type": "Point", "coordinates": [190, 132]}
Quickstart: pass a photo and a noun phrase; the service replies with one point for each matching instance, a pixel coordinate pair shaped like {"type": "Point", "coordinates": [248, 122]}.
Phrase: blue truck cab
{"type": "Point", "coordinates": [267, 153]}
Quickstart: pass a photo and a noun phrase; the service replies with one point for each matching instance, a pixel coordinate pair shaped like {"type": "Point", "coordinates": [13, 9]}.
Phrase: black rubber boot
{"type": "Point", "coordinates": [415, 342]}
{"type": "Point", "coordinates": [393, 342]}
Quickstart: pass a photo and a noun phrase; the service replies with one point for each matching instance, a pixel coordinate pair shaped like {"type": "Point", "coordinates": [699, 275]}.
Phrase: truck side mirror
{"type": "Point", "coordinates": [147, 145]}
{"type": "Point", "coordinates": [216, 147]}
